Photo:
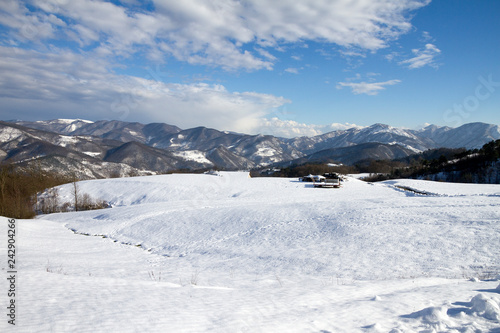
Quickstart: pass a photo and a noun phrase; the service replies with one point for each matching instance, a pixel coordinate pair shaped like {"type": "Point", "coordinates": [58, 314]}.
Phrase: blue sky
{"type": "Point", "coordinates": [285, 68]}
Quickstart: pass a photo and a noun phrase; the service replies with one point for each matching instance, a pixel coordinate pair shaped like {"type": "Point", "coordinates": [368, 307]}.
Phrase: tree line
{"type": "Point", "coordinates": [19, 187]}
{"type": "Point", "coordinates": [28, 191]}
{"type": "Point", "coordinates": [452, 165]}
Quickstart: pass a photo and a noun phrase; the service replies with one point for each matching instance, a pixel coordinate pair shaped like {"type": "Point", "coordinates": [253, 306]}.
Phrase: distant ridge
{"type": "Point", "coordinates": [159, 147]}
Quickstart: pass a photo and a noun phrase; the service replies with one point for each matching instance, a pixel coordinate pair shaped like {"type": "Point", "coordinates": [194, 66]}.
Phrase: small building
{"type": "Point", "coordinates": [329, 183]}
{"type": "Point", "coordinates": [313, 178]}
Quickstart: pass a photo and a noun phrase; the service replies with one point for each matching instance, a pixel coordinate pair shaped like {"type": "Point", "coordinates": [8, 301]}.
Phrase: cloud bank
{"type": "Point", "coordinates": [210, 32]}
{"type": "Point", "coordinates": [67, 85]}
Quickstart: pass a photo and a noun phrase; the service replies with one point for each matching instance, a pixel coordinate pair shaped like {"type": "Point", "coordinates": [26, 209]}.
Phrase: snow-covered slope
{"type": "Point", "coordinates": [230, 253]}
{"type": "Point", "coordinates": [234, 216]}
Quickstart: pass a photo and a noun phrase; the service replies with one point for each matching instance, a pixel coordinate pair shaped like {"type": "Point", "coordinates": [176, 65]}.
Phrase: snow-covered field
{"type": "Point", "coordinates": [229, 253]}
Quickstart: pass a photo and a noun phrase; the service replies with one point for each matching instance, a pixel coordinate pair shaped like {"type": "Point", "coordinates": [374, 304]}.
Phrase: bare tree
{"type": "Point", "coordinates": [49, 202]}
{"type": "Point", "coordinates": [76, 195]}
{"type": "Point", "coordinates": [3, 181]}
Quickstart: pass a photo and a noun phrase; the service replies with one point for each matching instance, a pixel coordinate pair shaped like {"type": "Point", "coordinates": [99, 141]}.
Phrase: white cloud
{"type": "Point", "coordinates": [423, 57]}
{"type": "Point", "coordinates": [369, 88]}
{"type": "Point", "coordinates": [391, 56]}
{"type": "Point", "coordinates": [291, 128]}
{"type": "Point", "coordinates": [68, 85]}
{"type": "Point", "coordinates": [426, 37]}
{"type": "Point", "coordinates": [213, 32]}
{"type": "Point", "coordinates": [292, 70]}
{"type": "Point", "coordinates": [266, 54]}
{"type": "Point", "coordinates": [352, 53]}
{"type": "Point", "coordinates": [285, 128]}
{"type": "Point", "coordinates": [340, 127]}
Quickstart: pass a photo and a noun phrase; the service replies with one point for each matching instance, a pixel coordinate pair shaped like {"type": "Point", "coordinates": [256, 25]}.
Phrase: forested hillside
{"type": "Point", "coordinates": [466, 166]}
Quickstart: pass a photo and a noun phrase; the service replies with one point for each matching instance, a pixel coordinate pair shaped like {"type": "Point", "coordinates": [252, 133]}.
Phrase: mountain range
{"type": "Point", "coordinates": [117, 148]}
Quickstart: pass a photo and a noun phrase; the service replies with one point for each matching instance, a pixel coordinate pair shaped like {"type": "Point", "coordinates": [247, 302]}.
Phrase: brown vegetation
{"type": "Point", "coordinates": [19, 188]}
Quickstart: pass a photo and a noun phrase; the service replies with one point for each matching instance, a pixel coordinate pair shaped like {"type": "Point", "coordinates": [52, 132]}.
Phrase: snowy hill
{"type": "Point", "coordinates": [229, 253]}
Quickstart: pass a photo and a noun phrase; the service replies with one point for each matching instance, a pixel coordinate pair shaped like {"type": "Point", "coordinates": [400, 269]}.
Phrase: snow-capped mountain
{"type": "Point", "coordinates": [473, 135]}
{"type": "Point", "coordinates": [108, 129]}
{"type": "Point", "coordinates": [86, 156]}
{"type": "Point", "coordinates": [255, 149]}
{"type": "Point", "coordinates": [79, 156]}
{"type": "Point", "coordinates": [161, 147]}
{"type": "Point", "coordinates": [376, 133]}
{"type": "Point", "coordinates": [61, 126]}
{"type": "Point", "coordinates": [352, 154]}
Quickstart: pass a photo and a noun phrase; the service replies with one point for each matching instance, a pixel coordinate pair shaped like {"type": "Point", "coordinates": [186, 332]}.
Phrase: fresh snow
{"type": "Point", "coordinates": [448, 189]}
{"type": "Point", "coordinates": [64, 121]}
{"type": "Point", "coordinates": [193, 155]}
{"type": "Point", "coordinates": [9, 133]}
{"type": "Point", "coordinates": [265, 151]}
{"type": "Point", "coordinates": [381, 128]}
{"type": "Point", "coordinates": [65, 140]}
{"type": "Point", "coordinates": [198, 253]}
{"type": "Point", "coordinates": [92, 153]}
{"type": "Point", "coordinates": [409, 147]}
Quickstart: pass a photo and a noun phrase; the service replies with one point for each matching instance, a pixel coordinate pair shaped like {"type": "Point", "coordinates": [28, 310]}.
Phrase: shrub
{"type": "Point", "coordinates": [86, 202]}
